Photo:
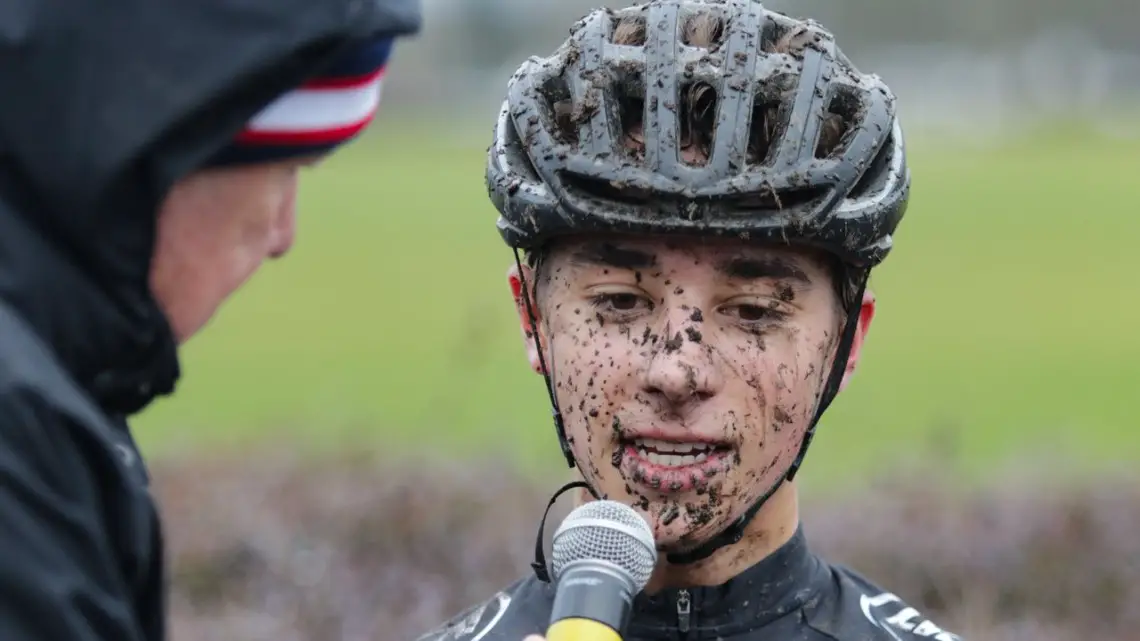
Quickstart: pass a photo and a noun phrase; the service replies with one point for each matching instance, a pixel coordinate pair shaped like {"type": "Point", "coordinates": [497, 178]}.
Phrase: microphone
{"type": "Point", "coordinates": [603, 555]}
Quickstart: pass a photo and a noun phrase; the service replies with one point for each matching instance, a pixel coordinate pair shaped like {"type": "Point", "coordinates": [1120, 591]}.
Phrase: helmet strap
{"type": "Point", "coordinates": [539, 564]}
{"type": "Point", "coordinates": [559, 424]}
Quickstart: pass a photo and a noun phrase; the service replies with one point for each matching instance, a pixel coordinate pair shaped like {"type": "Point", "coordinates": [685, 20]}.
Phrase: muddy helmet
{"type": "Point", "coordinates": [551, 176]}
{"type": "Point", "coordinates": [804, 148]}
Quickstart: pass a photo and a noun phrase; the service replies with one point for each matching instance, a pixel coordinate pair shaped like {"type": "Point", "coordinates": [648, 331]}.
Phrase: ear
{"type": "Point", "coordinates": [525, 305]}
{"type": "Point", "coordinates": [866, 315]}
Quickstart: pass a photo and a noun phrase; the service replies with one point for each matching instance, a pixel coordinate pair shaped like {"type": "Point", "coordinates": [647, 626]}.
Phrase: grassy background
{"type": "Point", "coordinates": [1006, 323]}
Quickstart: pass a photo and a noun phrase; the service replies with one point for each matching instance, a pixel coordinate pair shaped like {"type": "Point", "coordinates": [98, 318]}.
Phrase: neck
{"type": "Point", "coordinates": [771, 528]}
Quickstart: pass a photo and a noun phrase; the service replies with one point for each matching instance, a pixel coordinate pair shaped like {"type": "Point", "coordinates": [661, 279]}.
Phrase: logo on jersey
{"type": "Point", "coordinates": [469, 626]}
{"type": "Point", "coordinates": [888, 612]}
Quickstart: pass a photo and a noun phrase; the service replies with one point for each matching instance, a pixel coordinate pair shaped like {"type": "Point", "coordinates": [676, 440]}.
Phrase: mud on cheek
{"type": "Point", "coordinates": [797, 385]}
{"type": "Point", "coordinates": [783, 401]}
{"type": "Point", "coordinates": [586, 367]}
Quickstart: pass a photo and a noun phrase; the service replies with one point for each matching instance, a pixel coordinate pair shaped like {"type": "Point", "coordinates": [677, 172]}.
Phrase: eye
{"type": "Point", "coordinates": [756, 314]}
{"type": "Point", "coordinates": [620, 304]}
{"type": "Point", "coordinates": [753, 312]}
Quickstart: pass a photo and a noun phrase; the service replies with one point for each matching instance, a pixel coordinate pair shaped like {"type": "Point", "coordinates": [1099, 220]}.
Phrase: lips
{"type": "Point", "coordinates": [673, 466]}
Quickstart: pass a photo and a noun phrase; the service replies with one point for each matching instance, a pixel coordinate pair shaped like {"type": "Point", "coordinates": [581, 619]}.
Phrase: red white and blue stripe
{"type": "Point", "coordinates": [328, 110]}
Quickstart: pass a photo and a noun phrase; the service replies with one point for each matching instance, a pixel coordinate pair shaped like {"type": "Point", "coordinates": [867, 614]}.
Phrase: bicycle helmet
{"type": "Point", "coordinates": [800, 148]}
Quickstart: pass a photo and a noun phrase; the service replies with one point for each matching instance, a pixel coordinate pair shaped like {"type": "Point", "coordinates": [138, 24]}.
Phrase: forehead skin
{"type": "Point", "coordinates": [714, 340]}
{"type": "Point", "coordinates": [729, 259]}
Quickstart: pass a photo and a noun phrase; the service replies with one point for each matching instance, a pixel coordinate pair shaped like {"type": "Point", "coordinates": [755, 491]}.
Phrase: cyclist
{"type": "Point", "coordinates": [700, 189]}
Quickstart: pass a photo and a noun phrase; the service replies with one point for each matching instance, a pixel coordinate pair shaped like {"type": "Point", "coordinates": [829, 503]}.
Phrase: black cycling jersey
{"type": "Point", "coordinates": [792, 594]}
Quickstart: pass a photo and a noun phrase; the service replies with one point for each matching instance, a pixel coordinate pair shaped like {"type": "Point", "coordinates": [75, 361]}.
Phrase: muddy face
{"type": "Point", "coordinates": [687, 372]}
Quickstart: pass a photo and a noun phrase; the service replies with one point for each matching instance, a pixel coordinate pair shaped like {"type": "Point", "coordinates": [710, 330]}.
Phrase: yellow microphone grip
{"type": "Point", "coordinates": [579, 629]}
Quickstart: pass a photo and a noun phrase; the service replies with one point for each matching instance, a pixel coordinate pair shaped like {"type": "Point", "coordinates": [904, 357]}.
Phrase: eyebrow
{"type": "Point", "coordinates": [757, 268]}
{"type": "Point", "coordinates": [614, 256]}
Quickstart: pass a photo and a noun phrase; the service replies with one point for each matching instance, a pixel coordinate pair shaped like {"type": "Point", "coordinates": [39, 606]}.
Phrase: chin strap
{"type": "Point", "coordinates": [735, 532]}
{"type": "Point", "coordinates": [559, 424]}
{"type": "Point", "coordinates": [539, 564]}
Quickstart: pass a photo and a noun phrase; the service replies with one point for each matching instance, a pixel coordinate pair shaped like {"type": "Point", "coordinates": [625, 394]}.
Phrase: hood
{"type": "Point", "coordinates": [106, 105]}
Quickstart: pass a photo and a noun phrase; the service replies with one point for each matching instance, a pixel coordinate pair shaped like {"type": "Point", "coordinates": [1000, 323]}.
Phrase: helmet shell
{"type": "Point", "coordinates": [548, 180]}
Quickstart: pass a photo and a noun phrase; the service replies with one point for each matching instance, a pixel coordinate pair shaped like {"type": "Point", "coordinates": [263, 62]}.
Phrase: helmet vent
{"type": "Point", "coordinates": [632, 115]}
{"type": "Point", "coordinates": [698, 120]}
{"type": "Point", "coordinates": [842, 112]}
{"type": "Point", "coordinates": [564, 115]}
{"type": "Point", "coordinates": [772, 201]}
{"type": "Point", "coordinates": [611, 191]}
{"type": "Point", "coordinates": [764, 129]}
{"type": "Point", "coordinates": [769, 113]}
{"type": "Point", "coordinates": [629, 90]}
{"type": "Point", "coordinates": [703, 30]}
{"type": "Point", "coordinates": [771, 34]}
{"type": "Point", "coordinates": [629, 30]}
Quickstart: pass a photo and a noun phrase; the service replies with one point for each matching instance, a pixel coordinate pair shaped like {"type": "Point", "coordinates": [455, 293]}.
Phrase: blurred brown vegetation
{"type": "Point", "coordinates": [274, 547]}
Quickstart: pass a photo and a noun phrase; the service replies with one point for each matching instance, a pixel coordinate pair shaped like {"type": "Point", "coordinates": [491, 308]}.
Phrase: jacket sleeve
{"type": "Point", "coordinates": [523, 608]}
{"type": "Point", "coordinates": [59, 573]}
{"type": "Point", "coordinates": [478, 622]}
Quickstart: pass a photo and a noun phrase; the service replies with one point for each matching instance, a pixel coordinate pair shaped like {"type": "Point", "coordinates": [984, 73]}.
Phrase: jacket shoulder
{"type": "Point", "coordinates": [33, 380]}
{"type": "Point", "coordinates": [510, 615]}
{"type": "Point", "coordinates": [863, 611]}
{"type": "Point", "coordinates": [69, 530]}
{"type": "Point", "coordinates": [28, 367]}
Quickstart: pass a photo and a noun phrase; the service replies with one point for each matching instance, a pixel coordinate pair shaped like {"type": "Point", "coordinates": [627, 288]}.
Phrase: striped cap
{"type": "Point", "coordinates": [328, 110]}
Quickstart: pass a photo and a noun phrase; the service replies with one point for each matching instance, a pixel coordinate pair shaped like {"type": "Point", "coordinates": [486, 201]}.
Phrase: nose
{"type": "Point", "coordinates": [284, 230]}
{"type": "Point", "coordinates": [283, 236]}
{"type": "Point", "coordinates": [682, 368]}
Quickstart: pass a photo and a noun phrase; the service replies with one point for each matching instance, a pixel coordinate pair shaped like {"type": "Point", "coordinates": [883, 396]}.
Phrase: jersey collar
{"type": "Point", "coordinates": [780, 583]}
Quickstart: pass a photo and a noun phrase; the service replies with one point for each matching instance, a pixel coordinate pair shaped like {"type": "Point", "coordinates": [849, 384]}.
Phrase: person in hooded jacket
{"type": "Point", "coordinates": [149, 157]}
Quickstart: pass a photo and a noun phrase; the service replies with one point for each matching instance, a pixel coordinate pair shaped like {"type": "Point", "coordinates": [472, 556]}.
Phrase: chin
{"type": "Point", "coordinates": [685, 532]}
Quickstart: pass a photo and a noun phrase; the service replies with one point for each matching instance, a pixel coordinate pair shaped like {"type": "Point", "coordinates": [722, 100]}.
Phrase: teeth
{"type": "Point", "coordinates": [673, 460]}
{"type": "Point", "coordinates": [671, 448]}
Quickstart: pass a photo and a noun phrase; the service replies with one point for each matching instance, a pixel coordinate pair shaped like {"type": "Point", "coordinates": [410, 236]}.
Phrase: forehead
{"type": "Point", "coordinates": [730, 256]}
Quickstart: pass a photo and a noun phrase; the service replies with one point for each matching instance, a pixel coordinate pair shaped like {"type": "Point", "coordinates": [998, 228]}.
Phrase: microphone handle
{"type": "Point", "coordinates": [579, 629]}
{"type": "Point", "coordinates": [592, 603]}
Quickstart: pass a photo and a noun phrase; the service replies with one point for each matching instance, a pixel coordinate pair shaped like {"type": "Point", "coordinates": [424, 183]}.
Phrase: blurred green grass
{"type": "Point", "coordinates": [1007, 319]}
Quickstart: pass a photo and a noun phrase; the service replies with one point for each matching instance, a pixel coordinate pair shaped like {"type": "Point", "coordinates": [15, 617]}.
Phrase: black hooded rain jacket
{"type": "Point", "coordinates": [103, 105]}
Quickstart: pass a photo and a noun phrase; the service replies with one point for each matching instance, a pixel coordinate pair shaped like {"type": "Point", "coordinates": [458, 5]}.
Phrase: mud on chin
{"type": "Point", "coordinates": [680, 524]}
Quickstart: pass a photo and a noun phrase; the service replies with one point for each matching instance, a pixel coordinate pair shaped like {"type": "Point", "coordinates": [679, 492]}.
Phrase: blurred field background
{"type": "Point", "coordinates": [322, 462]}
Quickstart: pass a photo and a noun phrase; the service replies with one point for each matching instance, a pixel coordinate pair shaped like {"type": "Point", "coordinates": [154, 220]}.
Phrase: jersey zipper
{"type": "Point", "coordinates": [684, 607]}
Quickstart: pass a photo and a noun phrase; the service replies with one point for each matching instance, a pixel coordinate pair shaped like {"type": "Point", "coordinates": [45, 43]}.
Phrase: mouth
{"type": "Point", "coordinates": [674, 466]}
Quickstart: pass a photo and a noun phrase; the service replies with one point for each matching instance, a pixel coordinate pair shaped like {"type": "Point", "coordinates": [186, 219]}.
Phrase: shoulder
{"type": "Point", "coordinates": [30, 367]}
{"type": "Point", "coordinates": [512, 613]}
{"type": "Point", "coordinates": [46, 416]}
{"type": "Point", "coordinates": [863, 611]}
{"type": "Point", "coordinates": [70, 506]}
{"type": "Point", "coordinates": [60, 454]}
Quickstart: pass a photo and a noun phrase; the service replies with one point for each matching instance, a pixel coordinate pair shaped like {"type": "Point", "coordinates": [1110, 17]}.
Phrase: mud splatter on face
{"type": "Point", "coordinates": [668, 353]}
